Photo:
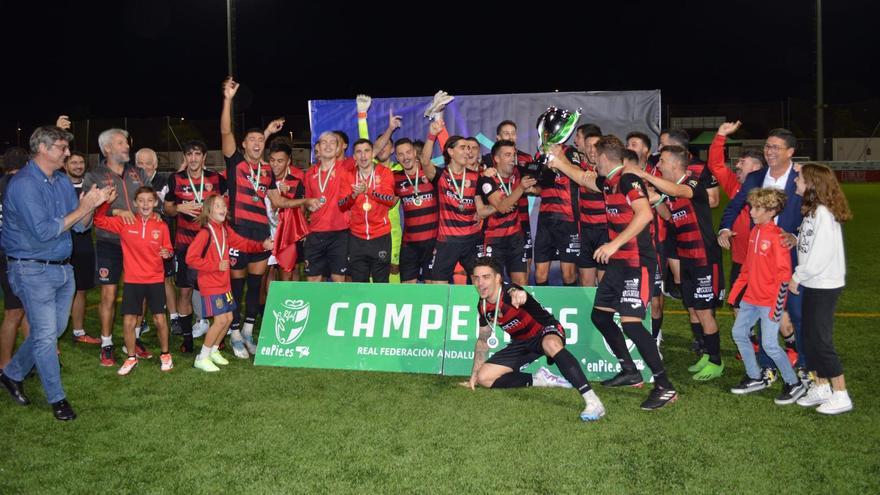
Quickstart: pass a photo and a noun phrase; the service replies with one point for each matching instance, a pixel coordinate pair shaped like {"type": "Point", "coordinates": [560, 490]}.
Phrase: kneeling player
{"type": "Point", "coordinates": [535, 333]}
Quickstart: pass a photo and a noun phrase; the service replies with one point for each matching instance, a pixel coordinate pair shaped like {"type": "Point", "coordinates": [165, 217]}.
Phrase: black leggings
{"type": "Point", "coordinates": [818, 329]}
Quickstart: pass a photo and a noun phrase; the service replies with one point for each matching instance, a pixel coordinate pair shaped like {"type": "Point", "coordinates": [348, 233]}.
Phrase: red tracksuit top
{"type": "Point", "coordinates": [739, 244]}
{"type": "Point", "coordinates": [372, 223]}
{"type": "Point", "coordinates": [203, 257]}
{"type": "Point", "coordinates": [764, 278]}
{"type": "Point", "coordinates": [141, 243]}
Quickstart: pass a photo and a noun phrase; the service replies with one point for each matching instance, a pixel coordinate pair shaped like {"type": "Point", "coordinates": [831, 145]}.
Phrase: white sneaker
{"type": "Point", "coordinates": [239, 350]}
{"type": "Point", "coordinates": [816, 395]}
{"type": "Point", "coordinates": [838, 403]}
{"type": "Point", "coordinates": [200, 328]}
{"type": "Point", "coordinates": [546, 378]}
{"type": "Point", "coordinates": [249, 343]}
{"type": "Point", "coordinates": [594, 409]}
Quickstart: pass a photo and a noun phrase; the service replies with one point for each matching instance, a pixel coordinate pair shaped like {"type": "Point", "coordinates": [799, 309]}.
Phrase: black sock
{"type": "Point", "coordinates": [604, 321]}
{"type": "Point", "coordinates": [514, 379]}
{"type": "Point", "coordinates": [570, 284]}
{"type": "Point", "coordinates": [713, 347]}
{"type": "Point", "coordinates": [697, 331]}
{"type": "Point", "coordinates": [186, 325]}
{"type": "Point", "coordinates": [252, 298]}
{"type": "Point", "coordinates": [237, 293]}
{"type": "Point", "coordinates": [546, 282]}
{"type": "Point", "coordinates": [572, 371]}
{"type": "Point", "coordinates": [648, 349]}
{"type": "Point", "coordinates": [656, 325]}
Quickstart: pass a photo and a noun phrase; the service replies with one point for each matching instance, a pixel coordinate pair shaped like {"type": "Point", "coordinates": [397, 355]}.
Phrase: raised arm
{"type": "Point", "coordinates": [560, 162]}
{"type": "Point", "coordinates": [227, 138]}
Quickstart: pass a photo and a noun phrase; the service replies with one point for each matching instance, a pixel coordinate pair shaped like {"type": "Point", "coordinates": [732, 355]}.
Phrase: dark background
{"type": "Point", "coordinates": [106, 61]}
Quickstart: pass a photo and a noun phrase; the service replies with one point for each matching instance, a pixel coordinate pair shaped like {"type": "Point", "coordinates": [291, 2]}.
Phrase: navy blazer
{"type": "Point", "coordinates": [791, 217]}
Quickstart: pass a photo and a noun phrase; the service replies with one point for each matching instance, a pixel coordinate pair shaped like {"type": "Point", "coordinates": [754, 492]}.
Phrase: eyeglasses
{"type": "Point", "coordinates": [773, 148]}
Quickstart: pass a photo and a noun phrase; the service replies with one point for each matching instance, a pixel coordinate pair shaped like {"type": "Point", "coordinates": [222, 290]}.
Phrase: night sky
{"type": "Point", "coordinates": [168, 57]}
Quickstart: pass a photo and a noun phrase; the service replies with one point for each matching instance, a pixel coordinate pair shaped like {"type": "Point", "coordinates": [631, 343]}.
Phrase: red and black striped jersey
{"type": "Point", "coordinates": [591, 205]}
{"type": "Point", "coordinates": [695, 240]}
{"type": "Point", "coordinates": [557, 201]}
{"type": "Point", "coordinates": [502, 224]}
{"type": "Point", "coordinates": [329, 217]}
{"type": "Point", "coordinates": [699, 170]}
{"type": "Point", "coordinates": [247, 205]}
{"type": "Point", "coordinates": [295, 182]}
{"type": "Point", "coordinates": [183, 190]}
{"type": "Point", "coordinates": [620, 191]}
{"type": "Point", "coordinates": [522, 323]}
{"type": "Point", "coordinates": [457, 212]}
{"type": "Point", "coordinates": [659, 226]}
{"type": "Point", "coordinates": [420, 217]}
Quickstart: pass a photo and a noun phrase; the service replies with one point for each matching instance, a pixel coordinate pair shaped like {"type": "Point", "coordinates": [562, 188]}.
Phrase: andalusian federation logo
{"type": "Point", "coordinates": [290, 322]}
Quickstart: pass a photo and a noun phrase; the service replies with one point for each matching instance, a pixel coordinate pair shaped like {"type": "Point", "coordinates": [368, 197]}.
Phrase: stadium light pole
{"type": "Point", "coordinates": [229, 24]}
{"type": "Point", "coordinates": [820, 100]}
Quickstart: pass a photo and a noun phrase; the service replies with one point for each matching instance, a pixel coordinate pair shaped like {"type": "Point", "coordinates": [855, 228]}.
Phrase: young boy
{"type": "Point", "coordinates": [145, 244]}
{"type": "Point", "coordinates": [761, 289]}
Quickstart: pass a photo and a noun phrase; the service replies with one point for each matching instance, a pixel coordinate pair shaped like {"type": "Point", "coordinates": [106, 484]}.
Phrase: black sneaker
{"type": "Point", "coordinates": [176, 328]}
{"type": "Point", "coordinates": [790, 393]}
{"type": "Point", "coordinates": [626, 378]}
{"type": "Point", "coordinates": [63, 411]}
{"type": "Point", "coordinates": [659, 397]}
{"type": "Point", "coordinates": [749, 385]}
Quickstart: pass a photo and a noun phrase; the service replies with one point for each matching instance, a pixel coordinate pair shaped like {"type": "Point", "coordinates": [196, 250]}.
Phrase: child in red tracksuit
{"type": "Point", "coordinates": [761, 290]}
{"type": "Point", "coordinates": [146, 243]}
{"type": "Point", "coordinates": [208, 254]}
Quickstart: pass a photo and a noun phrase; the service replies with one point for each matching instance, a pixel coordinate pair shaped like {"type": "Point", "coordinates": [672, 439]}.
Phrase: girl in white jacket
{"type": "Point", "coordinates": [819, 275]}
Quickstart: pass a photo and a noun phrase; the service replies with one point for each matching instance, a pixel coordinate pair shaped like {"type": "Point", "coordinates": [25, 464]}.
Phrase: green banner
{"type": "Point", "coordinates": [409, 328]}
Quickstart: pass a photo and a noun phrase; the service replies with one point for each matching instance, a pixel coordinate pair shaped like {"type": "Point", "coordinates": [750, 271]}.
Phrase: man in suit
{"type": "Point", "coordinates": [779, 173]}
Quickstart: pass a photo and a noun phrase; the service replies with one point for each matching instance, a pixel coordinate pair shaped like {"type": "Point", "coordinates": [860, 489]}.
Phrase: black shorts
{"type": "Point", "coordinates": [133, 296]}
{"type": "Point", "coordinates": [451, 251]}
{"type": "Point", "coordinates": [184, 276]}
{"type": "Point", "coordinates": [238, 260]}
{"type": "Point", "coordinates": [83, 269]}
{"type": "Point", "coordinates": [701, 286]}
{"type": "Point", "coordinates": [626, 289]}
{"type": "Point", "coordinates": [508, 251]}
{"type": "Point", "coordinates": [108, 262]}
{"type": "Point", "coordinates": [10, 300]}
{"type": "Point", "coordinates": [669, 249]}
{"type": "Point", "coordinates": [591, 239]}
{"type": "Point", "coordinates": [326, 253]}
{"type": "Point", "coordinates": [555, 237]}
{"type": "Point", "coordinates": [415, 260]}
{"type": "Point", "coordinates": [519, 353]}
{"type": "Point", "coordinates": [369, 259]}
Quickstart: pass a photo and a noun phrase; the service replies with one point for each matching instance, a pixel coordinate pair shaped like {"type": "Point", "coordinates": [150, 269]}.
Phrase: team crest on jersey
{"type": "Point", "coordinates": [104, 272]}
{"type": "Point", "coordinates": [467, 183]}
{"type": "Point", "coordinates": [209, 187]}
{"type": "Point", "coordinates": [765, 245]}
{"type": "Point", "coordinates": [156, 234]}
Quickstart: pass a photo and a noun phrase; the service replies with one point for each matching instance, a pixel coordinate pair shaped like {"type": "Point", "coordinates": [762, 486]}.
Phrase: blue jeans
{"type": "Point", "coordinates": [746, 318]}
{"type": "Point", "coordinates": [46, 292]}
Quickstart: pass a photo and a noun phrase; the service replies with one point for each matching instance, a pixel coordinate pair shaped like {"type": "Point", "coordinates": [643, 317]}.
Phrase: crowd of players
{"type": "Point", "coordinates": [637, 224]}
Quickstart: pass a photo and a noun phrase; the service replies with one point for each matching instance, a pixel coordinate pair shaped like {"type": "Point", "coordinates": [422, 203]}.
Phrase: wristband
{"type": "Point", "coordinates": [432, 137]}
{"type": "Point", "coordinates": [362, 115]}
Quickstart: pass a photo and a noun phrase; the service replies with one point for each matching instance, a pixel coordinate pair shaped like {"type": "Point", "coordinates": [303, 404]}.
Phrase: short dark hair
{"type": "Point", "coordinates": [630, 155]}
{"type": "Point", "coordinates": [402, 141]}
{"type": "Point", "coordinates": [641, 136]}
{"type": "Point", "coordinates": [252, 130]}
{"type": "Point", "coordinates": [757, 155]}
{"type": "Point", "coordinates": [194, 144]}
{"type": "Point", "coordinates": [280, 146]}
{"type": "Point", "coordinates": [785, 135]}
{"type": "Point", "coordinates": [679, 137]}
{"type": "Point", "coordinates": [146, 190]}
{"type": "Point", "coordinates": [488, 262]}
{"type": "Point", "coordinates": [589, 130]}
{"type": "Point", "coordinates": [362, 141]}
{"type": "Point", "coordinates": [342, 135]}
{"type": "Point", "coordinates": [610, 146]}
{"type": "Point", "coordinates": [500, 144]}
{"type": "Point", "coordinates": [14, 158]}
{"type": "Point", "coordinates": [502, 124]}
{"type": "Point", "coordinates": [452, 141]}
{"type": "Point", "coordinates": [79, 154]}
{"type": "Point", "coordinates": [678, 152]}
